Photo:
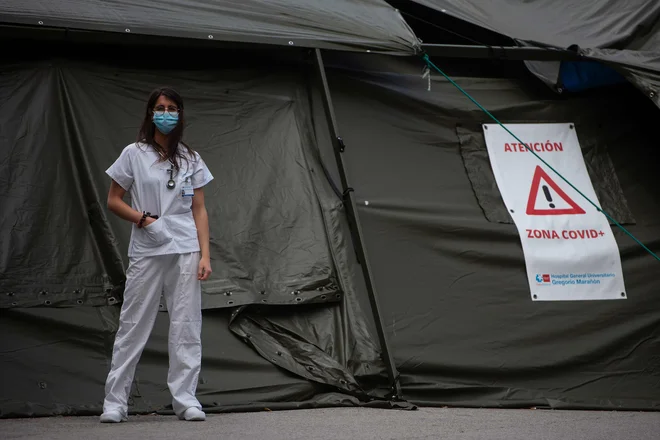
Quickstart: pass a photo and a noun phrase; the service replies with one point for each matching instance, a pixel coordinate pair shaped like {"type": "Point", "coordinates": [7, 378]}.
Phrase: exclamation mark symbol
{"type": "Point", "coordinates": [546, 191]}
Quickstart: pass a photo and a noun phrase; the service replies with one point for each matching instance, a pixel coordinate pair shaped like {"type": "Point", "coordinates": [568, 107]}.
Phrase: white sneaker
{"type": "Point", "coordinates": [193, 414]}
{"type": "Point", "coordinates": [113, 416]}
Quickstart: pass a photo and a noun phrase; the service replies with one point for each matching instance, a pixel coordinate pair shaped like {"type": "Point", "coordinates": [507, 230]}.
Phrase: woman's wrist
{"type": "Point", "coordinates": [143, 217]}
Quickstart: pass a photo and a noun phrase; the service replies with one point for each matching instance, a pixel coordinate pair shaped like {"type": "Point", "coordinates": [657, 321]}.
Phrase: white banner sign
{"type": "Point", "coordinates": [570, 252]}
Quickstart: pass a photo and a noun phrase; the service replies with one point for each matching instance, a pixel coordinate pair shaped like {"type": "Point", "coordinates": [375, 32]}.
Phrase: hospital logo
{"type": "Point", "coordinates": [543, 279]}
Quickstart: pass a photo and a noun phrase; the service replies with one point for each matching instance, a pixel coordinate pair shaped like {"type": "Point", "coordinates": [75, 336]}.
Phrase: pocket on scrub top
{"type": "Point", "coordinates": [156, 234]}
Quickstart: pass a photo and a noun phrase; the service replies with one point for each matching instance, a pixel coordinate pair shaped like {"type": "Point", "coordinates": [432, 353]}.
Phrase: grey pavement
{"type": "Point", "coordinates": [353, 424]}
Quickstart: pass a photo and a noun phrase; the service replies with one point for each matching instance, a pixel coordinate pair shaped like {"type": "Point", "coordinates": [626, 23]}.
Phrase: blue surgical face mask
{"type": "Point", "coordinates": [165, 122]}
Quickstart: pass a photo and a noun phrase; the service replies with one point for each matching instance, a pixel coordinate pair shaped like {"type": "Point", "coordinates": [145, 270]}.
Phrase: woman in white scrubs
{"type": "Point", "coordinates": [168, 254]}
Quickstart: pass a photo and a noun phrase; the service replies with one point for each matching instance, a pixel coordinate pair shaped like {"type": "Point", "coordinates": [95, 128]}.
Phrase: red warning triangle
{"type": "Point", "coordinates": [531, 202]}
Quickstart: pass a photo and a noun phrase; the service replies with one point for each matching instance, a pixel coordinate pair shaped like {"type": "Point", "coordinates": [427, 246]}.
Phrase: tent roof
{"type": "Point", "coordinates": [625, 35]}
{"type": "Point", "coordinates": [630, 25]}
{"type": "Point", "coordinates": [339, 24]}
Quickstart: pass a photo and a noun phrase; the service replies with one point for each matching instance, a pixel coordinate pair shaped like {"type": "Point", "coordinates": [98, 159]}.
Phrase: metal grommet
{"type": "Point", "coordinates": [80, 301]}
{"type": "Point", "coordinates": [512, 211]}
{"type": "Point", "coordinates": [127, 30]}
{"type": "Point", "coordinates": [324, 297]}
{"type": "Point", "coordinates": [40, 22]}
{"type": "Point", "coordinates": [623, 294]}
{"type": "Point", "coordinates": [14, 304]}
{"type": "Point", "coordinates": [338, 296]}
{"type": "Point", "coordinates": [298, 299]}
{"type": "Point", "coordinates": [263, 301]}
{"type": "Point", "coordinates": [230, 302]}
{"type": "Point", "coordinates": [571, 126]}
{"type": "Point", "coordinates": [47, 302]}
{"type": "Point", "coordinates": [210, 37]}
{"type": "Point", "coordinates": [368, 51]}
{"type": "Point", "coordinates": [290, 43]}
{"type": "Point", "coordinates": [536, 297]}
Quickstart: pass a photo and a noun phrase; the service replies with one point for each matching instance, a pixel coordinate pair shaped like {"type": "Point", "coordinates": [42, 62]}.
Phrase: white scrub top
{"type": "Point", "coordinates": [140, 172]}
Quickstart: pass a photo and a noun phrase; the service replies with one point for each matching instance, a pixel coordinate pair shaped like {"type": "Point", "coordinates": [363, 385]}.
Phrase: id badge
{"type": "Point", "coordinates": [187, 189]}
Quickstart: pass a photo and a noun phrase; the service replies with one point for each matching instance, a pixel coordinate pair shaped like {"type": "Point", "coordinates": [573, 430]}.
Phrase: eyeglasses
{"type": "Point", "coordinates": [160, 111]}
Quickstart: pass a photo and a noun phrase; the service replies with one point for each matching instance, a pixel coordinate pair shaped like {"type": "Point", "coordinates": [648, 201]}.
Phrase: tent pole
{"type": "Point", "coordinates": [356, 228]}
{"type": "Point", "coordinates": [509, 53]}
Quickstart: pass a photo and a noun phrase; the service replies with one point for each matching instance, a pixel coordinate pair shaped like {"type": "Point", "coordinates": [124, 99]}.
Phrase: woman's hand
{"type": "Point", "coordinates": [204, 271]}
{"type": "Point", "coordinates": [202, 223]}
{"type": "Point", "coordinates": [148, 221]}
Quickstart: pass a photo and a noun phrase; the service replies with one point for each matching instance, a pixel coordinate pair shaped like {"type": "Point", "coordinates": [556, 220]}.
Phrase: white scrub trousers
{"type": "Point", "coordinates": [175, 276]}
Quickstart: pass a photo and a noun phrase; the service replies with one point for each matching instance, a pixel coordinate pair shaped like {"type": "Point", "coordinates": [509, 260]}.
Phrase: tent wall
{"type": "Point", "coordinates": [452, 284]}
{"type": "Point", "coordinates": [282, 303]}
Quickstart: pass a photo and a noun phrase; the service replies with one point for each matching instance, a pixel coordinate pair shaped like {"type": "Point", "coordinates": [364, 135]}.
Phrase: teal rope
{"type": "Point", "coordinates": [430, 64]}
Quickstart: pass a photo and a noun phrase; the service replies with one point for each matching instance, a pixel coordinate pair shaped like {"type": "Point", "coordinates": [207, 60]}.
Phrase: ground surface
{"type": "Point", "coordinates": [353, 424]}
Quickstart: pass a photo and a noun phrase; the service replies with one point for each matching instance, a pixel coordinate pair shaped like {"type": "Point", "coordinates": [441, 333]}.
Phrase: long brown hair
{"type": "Point", "coordinates": [172, 151]}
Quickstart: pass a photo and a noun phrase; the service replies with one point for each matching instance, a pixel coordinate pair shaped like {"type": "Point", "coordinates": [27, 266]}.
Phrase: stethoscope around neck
{"type": "Point", "coordinates": [171, 184]}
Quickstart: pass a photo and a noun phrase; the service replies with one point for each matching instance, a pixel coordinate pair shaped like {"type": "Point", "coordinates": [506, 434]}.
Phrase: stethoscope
{"type": "Point", "coordinates": [171, 183]}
